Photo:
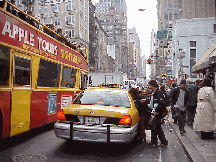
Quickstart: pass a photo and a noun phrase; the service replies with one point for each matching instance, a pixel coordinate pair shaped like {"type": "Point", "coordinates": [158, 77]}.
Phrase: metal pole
{"type": "Point", "coordinates": [108, 134]}
{"type": "Point", "coordinates": [71, 130]}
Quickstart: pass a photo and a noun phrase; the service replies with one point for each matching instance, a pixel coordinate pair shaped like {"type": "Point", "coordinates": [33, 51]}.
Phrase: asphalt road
{"type": "Point", "coordinates": [43, 142]}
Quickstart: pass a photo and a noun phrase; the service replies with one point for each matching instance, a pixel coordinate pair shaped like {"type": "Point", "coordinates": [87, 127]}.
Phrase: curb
{"type": "Point", "coordinates": [190, 150]}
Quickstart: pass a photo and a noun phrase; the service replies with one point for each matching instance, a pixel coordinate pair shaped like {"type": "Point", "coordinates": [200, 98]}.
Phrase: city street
{"type": "Point", "coordinates": [42, 141]}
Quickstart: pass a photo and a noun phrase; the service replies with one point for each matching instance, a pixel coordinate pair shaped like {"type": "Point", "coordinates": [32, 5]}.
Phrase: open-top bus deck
{"type": "Point", "coordinates": [39, 75]}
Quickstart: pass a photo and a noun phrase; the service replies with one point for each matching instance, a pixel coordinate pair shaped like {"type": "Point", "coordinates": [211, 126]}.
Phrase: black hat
{"type": "Point", "coordinates": [183, 82]}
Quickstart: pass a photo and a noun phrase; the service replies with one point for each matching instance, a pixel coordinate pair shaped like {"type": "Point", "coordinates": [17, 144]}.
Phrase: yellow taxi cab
{"type": "Point", "coordinates": [106, 115]}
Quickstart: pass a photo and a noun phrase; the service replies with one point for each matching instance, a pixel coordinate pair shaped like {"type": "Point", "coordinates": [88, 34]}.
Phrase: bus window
{"type": "Point", "coordinates": [68, 77]}
{"type": "Point", "coordinates": [4, 66]}
{"type": "Point", "coordinates": [48, 75]}
{"type": "Point", "coordinates": [22, 71]}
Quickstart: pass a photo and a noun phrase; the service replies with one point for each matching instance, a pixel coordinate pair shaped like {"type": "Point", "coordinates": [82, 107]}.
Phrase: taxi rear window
{"type": "Point", "coordinates": [108, 98]}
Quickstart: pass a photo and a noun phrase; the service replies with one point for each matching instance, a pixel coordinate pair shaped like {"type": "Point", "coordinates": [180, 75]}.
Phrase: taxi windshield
{"type": "Point", "coordinates": [109, 98]}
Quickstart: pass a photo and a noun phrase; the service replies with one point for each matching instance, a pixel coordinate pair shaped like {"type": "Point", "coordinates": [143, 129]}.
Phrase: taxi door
{"type": "Point", "coordinates": [21, 94]}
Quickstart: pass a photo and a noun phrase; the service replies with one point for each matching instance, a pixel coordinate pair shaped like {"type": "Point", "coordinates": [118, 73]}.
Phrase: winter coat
{"type": "Point", "coordinates": [158, 103]}
{"type": "Point", "coordinates": [205, 113]}
{"type": "Point", "coordinates": [175, 95]}
{"type": "Point", "coordinates": [192, 95]}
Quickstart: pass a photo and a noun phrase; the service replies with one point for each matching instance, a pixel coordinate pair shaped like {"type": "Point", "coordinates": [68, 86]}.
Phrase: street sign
{"type": "Point", "coordinates": [163, 76]}
{"type": "Point", "coordinates": [161, 34]}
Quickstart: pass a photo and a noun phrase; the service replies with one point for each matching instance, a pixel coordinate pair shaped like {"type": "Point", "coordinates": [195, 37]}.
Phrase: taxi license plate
{"type": "Point", "coordinates": [91, 120]}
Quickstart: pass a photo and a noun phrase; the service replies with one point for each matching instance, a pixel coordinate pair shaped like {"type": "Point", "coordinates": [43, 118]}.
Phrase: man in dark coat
{"type": "Point", "coordinates": [192, 101]}
{"type": "Point", "coordinates": [157, 102]}
{"type": "Point", "coordinates": [179, 100]}
{"type": "Point", "coordinates": [173, 110]}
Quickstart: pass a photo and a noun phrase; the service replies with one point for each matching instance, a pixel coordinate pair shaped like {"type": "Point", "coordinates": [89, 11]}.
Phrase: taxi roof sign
{"type": "Point", "coordinates": [111, 85]}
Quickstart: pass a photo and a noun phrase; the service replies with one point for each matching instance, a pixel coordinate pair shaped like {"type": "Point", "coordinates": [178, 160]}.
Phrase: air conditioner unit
{"type": "Point", "coordinates": [56, 11]}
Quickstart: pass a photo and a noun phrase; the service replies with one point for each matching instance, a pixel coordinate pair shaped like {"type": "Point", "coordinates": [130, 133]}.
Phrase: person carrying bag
{"type": "Point", "coordinates": [157, 102]}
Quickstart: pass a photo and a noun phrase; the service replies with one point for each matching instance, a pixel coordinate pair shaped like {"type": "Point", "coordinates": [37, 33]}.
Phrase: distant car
{"type": "Point", "coordinates": [106, 115]}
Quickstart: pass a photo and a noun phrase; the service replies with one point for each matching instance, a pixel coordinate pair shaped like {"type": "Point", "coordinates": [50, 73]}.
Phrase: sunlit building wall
{"type": "Point", "coordinates": [169, 11]}
{"type": "Point", "coordinates": [194, 37]}
{"type": "Point", "coordinates": [112, 15]}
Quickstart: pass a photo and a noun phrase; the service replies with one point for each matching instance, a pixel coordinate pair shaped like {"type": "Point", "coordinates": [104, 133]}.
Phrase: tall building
{"type": "Point", "coordinates": [103, 6]}
{"type": "Point", "coordinates": [114, 23]}
{"type": "Point", "coordinates": [134, 53]}
{"type": "Point", "coordinates": [169, 13]}
{"type": "Point", "coordinates": [171, 10]}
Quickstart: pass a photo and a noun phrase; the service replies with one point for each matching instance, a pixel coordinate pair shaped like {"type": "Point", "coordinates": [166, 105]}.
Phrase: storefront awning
{"type": "Point", "coordinates": [206, 60]}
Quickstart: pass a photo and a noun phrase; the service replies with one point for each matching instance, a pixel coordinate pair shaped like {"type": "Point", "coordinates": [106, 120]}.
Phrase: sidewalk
{"type": "Point", "coordinates": [197, 149]}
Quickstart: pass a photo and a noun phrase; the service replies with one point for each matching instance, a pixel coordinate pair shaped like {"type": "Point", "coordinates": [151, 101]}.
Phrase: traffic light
{"type": "Point", "coordinates": [149, 61]}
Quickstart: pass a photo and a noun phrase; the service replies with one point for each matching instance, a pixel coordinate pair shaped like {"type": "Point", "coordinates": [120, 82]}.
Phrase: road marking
{"type": "Point", "coordinates": [160, 158]}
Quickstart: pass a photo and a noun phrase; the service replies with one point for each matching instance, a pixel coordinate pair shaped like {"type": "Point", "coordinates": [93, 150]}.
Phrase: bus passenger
{"type": "Point", "coordinates": [31, 21]}
{"type": "Point", "coordinates": [62, 38]}
{"type": "Point", "coordinates": [11, 9]}
{"type": "Point", "coordinates": [51, 33]}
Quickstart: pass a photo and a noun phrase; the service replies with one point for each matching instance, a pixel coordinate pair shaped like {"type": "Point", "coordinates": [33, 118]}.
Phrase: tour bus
{"type": "Point", "coordinates": [39, 75]}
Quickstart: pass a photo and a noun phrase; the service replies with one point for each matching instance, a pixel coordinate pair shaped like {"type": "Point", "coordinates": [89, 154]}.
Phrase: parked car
{"type": "Point", "coordinates": [106, 115]}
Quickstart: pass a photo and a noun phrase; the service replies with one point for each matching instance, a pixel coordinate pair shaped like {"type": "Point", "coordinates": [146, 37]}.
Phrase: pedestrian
{"type": "Point", "coordinates": [179, 101]}
{"type": "Point", "coordinates": [167, 101]}
{"type": "Point", "coordinates": [157, 102]}
{"type": "Point", "coordinates": [192, 101]}
{"type": "Point", "coordinates": [142, 109]}
{"type": "Point", "coordinates": [173, 110]}
{"type": "Point", "coordinates": [204, 120]}
{"type": "Point", "coordinates": [62, 38]}
{"type": "Point", "coordinates": [197, 84]}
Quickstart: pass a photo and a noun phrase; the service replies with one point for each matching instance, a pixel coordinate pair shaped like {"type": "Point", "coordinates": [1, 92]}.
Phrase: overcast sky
{"type": "Point", "coordinates": [143, 21]}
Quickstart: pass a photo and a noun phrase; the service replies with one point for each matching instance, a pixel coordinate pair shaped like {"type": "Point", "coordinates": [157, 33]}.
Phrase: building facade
{"type": "Point", "coordinates": [192, 38]}
{"type": "Point", "coordinates": [170, 11]}
{"type": "Point", "coordinates": [134, 54]}
{"type": "Point", "coordinates": [112, 15]}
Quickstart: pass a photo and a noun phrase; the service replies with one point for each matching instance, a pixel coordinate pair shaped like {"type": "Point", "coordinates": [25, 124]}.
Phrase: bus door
{"type": "Point", "coordinates": [21, 94]}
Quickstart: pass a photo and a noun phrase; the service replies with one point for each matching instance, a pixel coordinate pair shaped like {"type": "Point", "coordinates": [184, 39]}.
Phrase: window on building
{"type": "Point", "coordinates": [18, 2]}
{"type": "Point", "coordinates": [166, 16]}
{"type": "Point", "coordinates": [180, 3]}
{"type": "Point", "coordinates": [70, 33]}
{"type": "Point", "coordinates": [165, 4]}
{"type": "Point", "coordinates": [170, 16]}
{"type": "Point", "coordinates": [192, 43]}
{"type": "Point", "coordinates": [214, 28]}
{"type": "Point", "coordinates": [56, 21]}
{"type": "Point", "coordinates": [56, 8]}
{"type": "Point", "coordinates": [192, 61]}
{"type": "Point", "coordinates": [69, 19]}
